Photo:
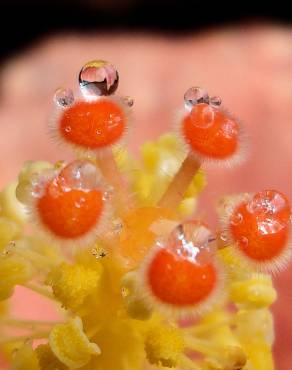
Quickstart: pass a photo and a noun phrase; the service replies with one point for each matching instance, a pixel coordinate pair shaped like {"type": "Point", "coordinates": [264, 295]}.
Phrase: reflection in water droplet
{"type": "Point", "coordinates": [270, 226]}
{"type": "Point", "coordinates": [64, 97]}
{"type": "Point", "coordinates": [267, 201]}
{"type": "Point", "coordinates": [195, 95]}
{"type": "Point", "coordinates": [98, 78]}
{"type": "Point", "coordinates": [193, 241]}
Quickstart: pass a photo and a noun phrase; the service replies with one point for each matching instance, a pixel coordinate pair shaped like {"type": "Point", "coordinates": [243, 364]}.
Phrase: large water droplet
{"type": "Point", "coordinates": [98, 78]}
{"type": "Point", "coordinates": [80, 174]}
{"type": "Point", "coordinates": [192, 241]}
{"type": "Point", "coordinates": [64, 97]}
{"type": "Point", "coordinates": [195, 95]}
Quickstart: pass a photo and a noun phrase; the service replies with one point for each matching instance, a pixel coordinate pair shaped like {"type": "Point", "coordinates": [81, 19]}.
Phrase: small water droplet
{"type": "Point", "coordinates": [236, 218]}
{"type": "Point", "coordinates": [216, 101]}
{"type": "Point", "coordinates": [64, 97]}
{"type": "Point", "coordinates": [127, 100]}
{"type": "Point", "coordinates": [195, 95]}
{"type": "Point", "coordinates": [68, 128]}
{"type": "Point", "coordinates": [224, 236]}
{"type": "Point", "coordinates": [243, 241]}
{"type": "Point", "coordinates": [98, 78]}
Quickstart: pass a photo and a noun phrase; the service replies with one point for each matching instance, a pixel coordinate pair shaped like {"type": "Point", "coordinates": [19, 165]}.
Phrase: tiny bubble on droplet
{"type": "Point", "coordinates": [195, 95]}
{"type": "Point", "coordinates": [64, 97]}
{"type": "Point", "coordinates": [98, 78]}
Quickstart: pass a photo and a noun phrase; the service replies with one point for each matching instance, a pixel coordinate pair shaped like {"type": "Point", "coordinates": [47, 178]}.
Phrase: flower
{"type": "Point", "coordinates": [152, 285]}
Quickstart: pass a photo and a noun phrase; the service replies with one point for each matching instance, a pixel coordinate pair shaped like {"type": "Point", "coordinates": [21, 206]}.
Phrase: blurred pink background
{"type": "Point", "coordinates": [249, 66]}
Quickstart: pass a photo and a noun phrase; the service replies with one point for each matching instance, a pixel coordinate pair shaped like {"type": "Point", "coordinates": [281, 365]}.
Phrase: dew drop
{"type": "Point", "coordinates": [195, 95]}
{"type": "Point", "coordinates": [64, 97]}
{"type": "Point", "coordinates": [98, 78]}
{"type": "Point", "coordinates": [68, 129]}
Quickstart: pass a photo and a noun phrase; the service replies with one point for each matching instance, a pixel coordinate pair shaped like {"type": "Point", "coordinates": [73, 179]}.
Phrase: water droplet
{"type": "Point", "coordinates": [193, 241]}
{"type": "Point", "coordinates": [216, 101]}
{"type": "Point", "coordinates": [98, 78]}
{"type": "Point", "coordinates": [80, 174]}
{"type": "Point", "coordinates": [195, 95]}
{"type": "Point", "coordinates": [243, 241]}
{"type": "Point", "coordinates": [64, 97]}
{"type": "Point", "coordinates": [127, 100]}
{"type": "Point", "coordinates": [224, 236]}
{"type": "Point", "coordinates": [68, 129]}
{"type": "Point", "coordinates": [236, 218]}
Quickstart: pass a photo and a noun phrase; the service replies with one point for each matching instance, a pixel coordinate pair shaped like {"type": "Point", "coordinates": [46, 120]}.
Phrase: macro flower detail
{"type": "Point", "coordinates": [70, 345]}
{"type": "Point", "coordinates": [119, 248]}
{"type": "Point", "coordinates": [71, 284]}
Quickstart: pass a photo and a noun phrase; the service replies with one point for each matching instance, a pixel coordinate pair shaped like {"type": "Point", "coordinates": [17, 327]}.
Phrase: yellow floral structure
{"type": "Point", "coordinates": [110, 323]}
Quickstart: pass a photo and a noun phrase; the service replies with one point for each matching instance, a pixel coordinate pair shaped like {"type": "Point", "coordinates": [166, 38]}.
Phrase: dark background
{"type": "Point", "coordinates": [26, 21]}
